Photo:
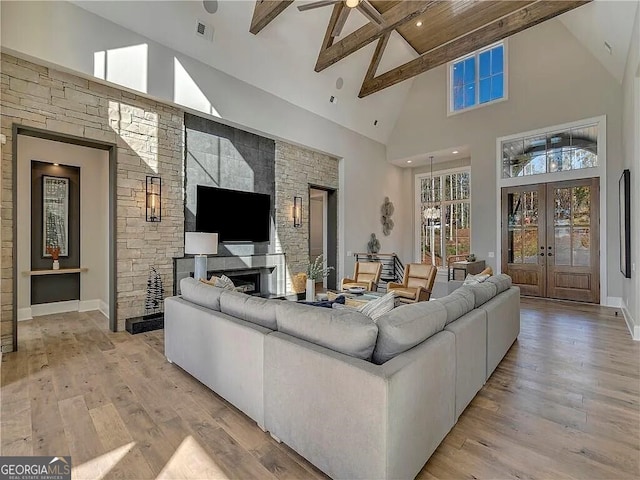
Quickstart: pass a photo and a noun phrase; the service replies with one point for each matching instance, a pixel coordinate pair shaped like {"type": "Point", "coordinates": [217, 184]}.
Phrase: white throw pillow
{"type": "Point", "coordinates": [475, 279]}
{"type": "Point", "coordinates": [378, 307]}
{"type": "Point", "coordinates": [221, 282]}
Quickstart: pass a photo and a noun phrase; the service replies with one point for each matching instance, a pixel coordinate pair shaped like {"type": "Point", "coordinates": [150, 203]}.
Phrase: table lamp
{"type": "Point", "coordinates": [200, 245]}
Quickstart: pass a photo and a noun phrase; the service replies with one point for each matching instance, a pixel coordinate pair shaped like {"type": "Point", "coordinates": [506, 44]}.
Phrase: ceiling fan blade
{"type": "Point", "coordinates": [342, 19]}
{"type": "Point", "coordinates": [321, 3]}
{"type": "Point", "coordinates": [370, 12]}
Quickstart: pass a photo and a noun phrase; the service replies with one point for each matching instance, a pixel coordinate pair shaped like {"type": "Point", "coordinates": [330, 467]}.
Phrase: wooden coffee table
{"type": "Point", "coordinates": [353, 299]}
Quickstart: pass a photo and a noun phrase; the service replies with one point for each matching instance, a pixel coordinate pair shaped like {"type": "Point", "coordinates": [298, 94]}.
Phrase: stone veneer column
{"type": "Point", "coordinates": [149, 137]}
{"type": "Point", "coordinates": [296, 169]}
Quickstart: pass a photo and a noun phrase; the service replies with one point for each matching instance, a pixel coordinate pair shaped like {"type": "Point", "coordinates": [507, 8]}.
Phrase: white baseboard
{"type": "Point", "coordinates": [104, 308]}
{"type": "Point", "coordinates": [24, 314]}
{"type": "Point", "coordinates": [615, 302]}
{"type": "Point", "coordinates": [634, 329]}
{"type": "Point", "coordinates": [55, 307]}
{"type": "Point", "coordinates": [88, 305]}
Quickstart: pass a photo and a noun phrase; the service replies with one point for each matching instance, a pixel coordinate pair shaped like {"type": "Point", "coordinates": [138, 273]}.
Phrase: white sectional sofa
{"type": "Point", "coordinates": [358, 399]}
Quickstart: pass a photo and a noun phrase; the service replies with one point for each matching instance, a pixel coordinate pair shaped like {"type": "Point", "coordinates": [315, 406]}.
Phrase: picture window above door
{"type": "Point", "coordinates": [477, 79]}
{"type": "Point", "coordinates": [550, 152]}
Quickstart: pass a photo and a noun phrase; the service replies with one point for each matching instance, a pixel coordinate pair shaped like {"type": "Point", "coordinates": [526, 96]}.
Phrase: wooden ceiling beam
{"type": "Point", "coordinates": [265, 11]}
{"type": "Point", "coordinates": [393, 18]}
{"type": "Point", "coordinates": [328, 35]}
{"type": "Point", "coordinates": [498, 30]}
{"type": "Point", "coordinates": [377, 56]}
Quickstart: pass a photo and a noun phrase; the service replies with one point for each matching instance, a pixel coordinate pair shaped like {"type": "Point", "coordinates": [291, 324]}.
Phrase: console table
{"type": "Point", "coordinates": [472, 268]}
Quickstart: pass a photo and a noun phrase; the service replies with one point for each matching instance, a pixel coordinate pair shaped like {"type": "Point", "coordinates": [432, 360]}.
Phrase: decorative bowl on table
{"type": "Point", "coordinates": [356, 290]}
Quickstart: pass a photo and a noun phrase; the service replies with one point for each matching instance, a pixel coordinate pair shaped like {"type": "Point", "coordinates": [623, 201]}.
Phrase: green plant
{"type": "Point", "coordinates": [316, 271]}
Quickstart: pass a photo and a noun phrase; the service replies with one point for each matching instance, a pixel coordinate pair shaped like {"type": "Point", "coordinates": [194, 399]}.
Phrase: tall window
{"type": "Point", "coordinates": [445, 216]}
{"type": "Point", "coordinates": [478, 78]}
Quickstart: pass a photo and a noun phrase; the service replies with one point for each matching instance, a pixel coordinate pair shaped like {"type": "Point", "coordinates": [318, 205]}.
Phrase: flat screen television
{"type": "Point", "coordinates": [234, 215]}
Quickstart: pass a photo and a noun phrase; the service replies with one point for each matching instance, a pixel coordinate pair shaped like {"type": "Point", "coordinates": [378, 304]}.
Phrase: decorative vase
{"type": "Point", "coordinates": [311, 290]}
{"type": "Point", "coordinates": [56, 265]}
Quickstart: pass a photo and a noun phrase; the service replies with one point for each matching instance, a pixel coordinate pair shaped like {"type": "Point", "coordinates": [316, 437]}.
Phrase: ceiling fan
{"type": "Point", "coordinates": [364, 6]}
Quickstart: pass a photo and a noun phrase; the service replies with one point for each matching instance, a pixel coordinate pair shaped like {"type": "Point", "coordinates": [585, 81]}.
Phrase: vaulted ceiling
{"type": "Point", "coordinates": [284, 57]}
{"type": "Point", "coordinates": [439, 31]}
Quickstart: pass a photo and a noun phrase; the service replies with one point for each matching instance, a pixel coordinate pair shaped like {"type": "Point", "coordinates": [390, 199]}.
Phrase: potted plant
{"type": "Point", "coordinates": [55, 254]}
{"type": "Point", "coordinates": [315, 271]}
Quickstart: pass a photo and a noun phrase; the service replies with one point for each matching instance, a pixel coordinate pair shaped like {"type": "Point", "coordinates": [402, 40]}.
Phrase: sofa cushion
{"type": "Point", "coordinates": [458, 303]}
{"type": "Point", "coordinates": [405, 327]}
{"type": "Point", "coordinates": [200, 293]}
{"type": "Point", "coordinates": [502, 282]}
{"type": "Point", "coordinates": [482, 292]}
{"type": "Point", "coordinates": [260, 311]}
{"type": "Point", "coordinates": [346, 331]}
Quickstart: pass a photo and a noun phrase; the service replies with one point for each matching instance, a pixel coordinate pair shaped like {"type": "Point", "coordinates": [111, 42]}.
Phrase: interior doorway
{"type": "Point", "coordinates": [323, 231]}
{"type": "Point", "coordinates": [551, 239]}
{"type": "Point", "coordinates": [318, 228]}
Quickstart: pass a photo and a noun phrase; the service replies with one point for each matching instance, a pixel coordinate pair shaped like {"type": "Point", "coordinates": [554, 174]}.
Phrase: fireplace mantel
{"type": "Point", "coordinates": [271, 266]}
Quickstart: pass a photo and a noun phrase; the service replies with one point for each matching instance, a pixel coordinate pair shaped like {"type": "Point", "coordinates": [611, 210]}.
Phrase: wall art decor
{"type": "Point", "coordinates": [386, 210]}
{"type": "Point", "coordinates": [55, 215]}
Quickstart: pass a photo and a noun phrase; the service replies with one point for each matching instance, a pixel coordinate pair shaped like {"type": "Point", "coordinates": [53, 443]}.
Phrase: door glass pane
{"type": "Point", "coordinates": [581, 205]}
{"type": "Point", "coordinates": [562, 206]}
{"type": "Point", "coordinates": [562, 246]}
{"type": "Point", "coordinates": [530, 207]}
{"type": "Point", "coordinates": [530, 245]}
{"type": "Point", "coordinates": [515, 210]}
{"type": "Point", "coordinates": [581, 247]}
{"type": "Point", "coordinates": [515, 246]}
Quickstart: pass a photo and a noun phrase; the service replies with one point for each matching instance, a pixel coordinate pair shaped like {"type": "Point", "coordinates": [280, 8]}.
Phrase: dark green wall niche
{"type": "Point", "coordinates": [61, 287]}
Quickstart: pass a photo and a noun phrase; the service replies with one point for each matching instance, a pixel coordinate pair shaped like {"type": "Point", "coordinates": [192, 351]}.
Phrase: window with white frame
{"type": "Point", "coordinates": [478, 78]}
{"type": "Point", "coordinates": [572, 148]}
{"type": "Point", "coordinates": [445, 216]}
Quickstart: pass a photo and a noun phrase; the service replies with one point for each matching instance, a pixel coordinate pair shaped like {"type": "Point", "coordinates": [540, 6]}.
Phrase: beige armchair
{"type": "Point", "coordinates": [417, 283]}
{"type": "Point", "coordinates": [367, 275]}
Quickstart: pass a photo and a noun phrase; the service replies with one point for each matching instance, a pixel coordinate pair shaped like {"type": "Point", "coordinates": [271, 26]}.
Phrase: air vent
{"type": "Point", "coordinates": [204, 30]}
{"type": "Point", "coordinates": [333, 99]}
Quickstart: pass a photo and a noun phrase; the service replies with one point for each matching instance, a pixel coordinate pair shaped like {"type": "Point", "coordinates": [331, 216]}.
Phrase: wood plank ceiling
{"type": "Point", "coordinates": [439, 31]}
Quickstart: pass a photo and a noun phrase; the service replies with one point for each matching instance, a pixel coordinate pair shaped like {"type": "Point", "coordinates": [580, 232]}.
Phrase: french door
{"type": "Point", "coordinates": [550, 239]}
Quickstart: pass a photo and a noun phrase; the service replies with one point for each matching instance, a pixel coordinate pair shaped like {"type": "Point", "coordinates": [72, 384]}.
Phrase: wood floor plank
{"type": "Point", "coordinates": [563, 403]}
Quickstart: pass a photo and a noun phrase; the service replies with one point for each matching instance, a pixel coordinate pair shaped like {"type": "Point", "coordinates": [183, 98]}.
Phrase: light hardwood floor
{"type": "Point", "coordinates": [564, 403]}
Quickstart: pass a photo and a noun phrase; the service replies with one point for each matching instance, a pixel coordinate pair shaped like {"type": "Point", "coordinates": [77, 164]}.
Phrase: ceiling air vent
{"type": "Point", "coordinates": [204, 30]}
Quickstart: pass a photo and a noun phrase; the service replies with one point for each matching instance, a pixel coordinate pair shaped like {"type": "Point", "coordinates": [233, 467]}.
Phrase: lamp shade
{"type": "Point", "coordinates": [198, 243]}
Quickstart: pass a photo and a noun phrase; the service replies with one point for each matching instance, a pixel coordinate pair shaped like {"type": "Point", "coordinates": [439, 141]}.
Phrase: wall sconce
{"type": "Point", "coordinates": [297, 211]}
{"type": "Point", "coordinates": [154, 199]}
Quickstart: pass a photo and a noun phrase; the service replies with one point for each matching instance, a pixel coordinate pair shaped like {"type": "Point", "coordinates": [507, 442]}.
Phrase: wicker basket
{"type": "Point", "coordinates": [299, 282]}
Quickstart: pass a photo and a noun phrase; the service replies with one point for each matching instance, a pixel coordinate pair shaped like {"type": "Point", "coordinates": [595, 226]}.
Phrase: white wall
{"type": "Point", "coordinates": [631, 155]}
{"type": "Point", "coordinates": [68, 37]}
{"type": "Point", "coordinates": [553, 80]}
{"type": "Point", "coordinates": [94, 214]}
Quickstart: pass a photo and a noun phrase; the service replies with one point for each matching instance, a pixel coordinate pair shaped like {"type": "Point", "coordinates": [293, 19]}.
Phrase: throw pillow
{"type": "Point", "coordinates": [220, 282]}
{"type": "Point", "coordinates": [378, 307]}
{"type": "Point", "coordinates": [475, 279]}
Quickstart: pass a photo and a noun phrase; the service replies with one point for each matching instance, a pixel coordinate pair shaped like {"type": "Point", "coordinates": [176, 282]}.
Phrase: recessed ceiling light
{"type": "Point", "coordinates": [419, 23]}
{"type": "Point", "coordinates": [455, 151]}
{"type": "Point", "coordinates": [408, 161]}
{"type": "Point", "coordinates": [56, 164]}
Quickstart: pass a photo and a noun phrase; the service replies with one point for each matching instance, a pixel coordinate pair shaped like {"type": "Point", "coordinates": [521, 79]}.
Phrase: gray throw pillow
{"type": "Point", "coordinates": [405, 327]}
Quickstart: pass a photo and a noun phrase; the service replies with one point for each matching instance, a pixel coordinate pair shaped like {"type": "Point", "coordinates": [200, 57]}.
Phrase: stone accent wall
{"type": "Point", "coordinates": [150, 141]}
{"type": "Point", "coordinates": [296, 169]}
